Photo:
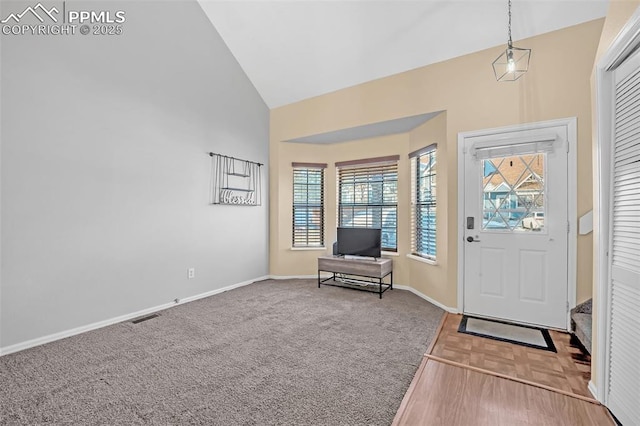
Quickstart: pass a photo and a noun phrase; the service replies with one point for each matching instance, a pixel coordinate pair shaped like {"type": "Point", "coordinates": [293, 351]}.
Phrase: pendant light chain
{"type": "Point", "coordinates": [510, 42]}
{"type": "Point", "coordinates": [514, 61]}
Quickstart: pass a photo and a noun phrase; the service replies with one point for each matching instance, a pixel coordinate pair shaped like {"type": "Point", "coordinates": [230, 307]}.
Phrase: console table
{"type": "Point", "coordinates": [378, 269]}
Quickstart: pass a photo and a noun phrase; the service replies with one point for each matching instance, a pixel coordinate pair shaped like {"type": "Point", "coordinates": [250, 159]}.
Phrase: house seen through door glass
{"type": "Point", "coordinates": [514, 193]}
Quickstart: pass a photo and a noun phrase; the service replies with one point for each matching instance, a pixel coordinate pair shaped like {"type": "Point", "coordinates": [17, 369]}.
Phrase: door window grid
{"type": "Point", "coordinates": [514, 193]}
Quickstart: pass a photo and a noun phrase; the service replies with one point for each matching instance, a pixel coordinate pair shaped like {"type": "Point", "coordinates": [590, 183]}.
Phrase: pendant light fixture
{"type": "Point", "coordinates": [513, 62]}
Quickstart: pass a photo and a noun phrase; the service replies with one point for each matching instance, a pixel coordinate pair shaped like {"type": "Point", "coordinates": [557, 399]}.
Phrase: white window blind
{"type": "Point", "coordinates": [423, 202]}
{"type": "Point", "coordinates": [368, 196]}
{"type": "Point", "coordinates": [308, 205]}
{"type": "Point", "coordinates": [515, 147]}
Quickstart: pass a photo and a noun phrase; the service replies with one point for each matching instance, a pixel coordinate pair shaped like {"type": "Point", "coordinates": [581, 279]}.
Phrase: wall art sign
{"type": "Point", "coordinates": [235, 181]}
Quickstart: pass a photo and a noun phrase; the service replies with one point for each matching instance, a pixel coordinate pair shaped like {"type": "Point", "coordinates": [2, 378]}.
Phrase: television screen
{"type": "Point", "coordinates": [360, 242]}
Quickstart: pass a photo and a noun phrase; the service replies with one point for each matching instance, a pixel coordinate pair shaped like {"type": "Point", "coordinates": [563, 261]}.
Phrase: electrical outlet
{"type": "Point", "coordinates": [191, 273]}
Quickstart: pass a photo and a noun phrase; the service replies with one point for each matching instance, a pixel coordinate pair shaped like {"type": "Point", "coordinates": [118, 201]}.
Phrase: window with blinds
{"type": "Point", "coordinates": [368, 196]}
{"type": "Point", "coordinates": [423, 202]}
{"type": "Point", "coordinates": [308, 205]}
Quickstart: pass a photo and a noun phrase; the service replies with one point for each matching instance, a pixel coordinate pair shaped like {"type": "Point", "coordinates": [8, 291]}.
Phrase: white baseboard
{"type": "Point", "coordinates": [221, 290]}
{"type": "Point", "coordinates": [96, 325]}
{"type": "Point", "coordinates": [300, 277]}
{"type": "Point", "coordinates": [395, 286]}
{"type": "Point", "coordinates": [427, 298]}
{"type": "Point", "coordinates": [291, 277]}
{"type": "Point", "coordinates": [594, 391]}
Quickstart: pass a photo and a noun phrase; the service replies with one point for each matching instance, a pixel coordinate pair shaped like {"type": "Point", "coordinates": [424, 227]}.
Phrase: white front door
{"type": "Point", "coordinates": [516, 226]}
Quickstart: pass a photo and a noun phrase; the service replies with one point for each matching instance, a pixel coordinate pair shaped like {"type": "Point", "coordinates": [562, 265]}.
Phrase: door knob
{"type": "Point", "coordinates": [472, 240]}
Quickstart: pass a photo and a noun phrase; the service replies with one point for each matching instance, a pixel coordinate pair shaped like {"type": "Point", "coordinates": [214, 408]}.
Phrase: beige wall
{"type": "Point", "coordinates": [426, 278]}
{"type": "Point", "coordinates": [557, 86]}
{"type": "Point", "coordinates": [287, 261]}
{"type": "Point", "coordinates": [617, 16]}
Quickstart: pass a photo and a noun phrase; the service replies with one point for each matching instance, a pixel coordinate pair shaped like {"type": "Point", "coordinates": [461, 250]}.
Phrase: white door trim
{"type": "Point", "coordinates": [572, 242]}
{"type": "Point", "coordinates": [625, 41]}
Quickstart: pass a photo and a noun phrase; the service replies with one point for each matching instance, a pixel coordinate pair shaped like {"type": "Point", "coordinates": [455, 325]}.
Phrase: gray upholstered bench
{"type": "Point", "coordinates": [581, 324]}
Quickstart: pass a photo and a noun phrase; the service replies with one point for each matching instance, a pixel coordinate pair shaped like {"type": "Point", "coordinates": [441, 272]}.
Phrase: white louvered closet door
{"type": "Point", "coordinates": [624, 342]}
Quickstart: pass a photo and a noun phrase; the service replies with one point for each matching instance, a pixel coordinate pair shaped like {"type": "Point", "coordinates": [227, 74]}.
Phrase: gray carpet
{"type": "Point", "coordinates": [274, 352]}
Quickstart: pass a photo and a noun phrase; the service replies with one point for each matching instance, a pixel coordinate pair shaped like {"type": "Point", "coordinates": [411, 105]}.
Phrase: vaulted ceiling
{"type": "Point", "coordinates": [293, 50]}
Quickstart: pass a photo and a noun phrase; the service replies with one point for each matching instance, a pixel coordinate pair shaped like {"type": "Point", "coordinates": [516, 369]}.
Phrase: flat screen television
{"type": "Point", "coordinates": [360, 242]}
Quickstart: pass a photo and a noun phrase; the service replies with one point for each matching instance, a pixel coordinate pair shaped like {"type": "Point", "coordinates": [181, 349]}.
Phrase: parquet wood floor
{"type": "Point", "coordinates": [567, 370]}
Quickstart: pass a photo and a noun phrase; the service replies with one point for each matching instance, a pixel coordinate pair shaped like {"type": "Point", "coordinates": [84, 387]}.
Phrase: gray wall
{"type": "Point", "coordinates": [105, 177]}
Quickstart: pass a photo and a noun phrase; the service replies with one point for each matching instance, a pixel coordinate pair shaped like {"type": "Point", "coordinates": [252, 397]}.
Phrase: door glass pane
{"type": "Point", "coordinates": [513, 193]}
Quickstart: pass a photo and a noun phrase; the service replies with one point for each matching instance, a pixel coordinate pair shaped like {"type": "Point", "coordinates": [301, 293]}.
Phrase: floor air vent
{"type": "Point", "coordinates": [147, 318]}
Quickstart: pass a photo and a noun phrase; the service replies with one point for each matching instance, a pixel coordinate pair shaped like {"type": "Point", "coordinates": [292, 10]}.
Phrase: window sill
{"type": "Point", "coordinates": [422, 259]}
{"type": "Point", "coordinates": [389, 253]}
{"type": "Point", "coordinates": [318, 248]}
